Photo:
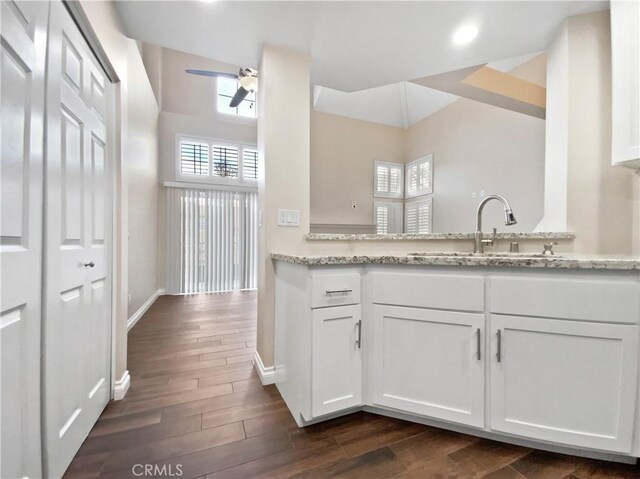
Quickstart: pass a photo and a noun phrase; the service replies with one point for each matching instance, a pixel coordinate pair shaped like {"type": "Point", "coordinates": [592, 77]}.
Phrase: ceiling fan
{"type": "Point", "coordinates": [248, 78]}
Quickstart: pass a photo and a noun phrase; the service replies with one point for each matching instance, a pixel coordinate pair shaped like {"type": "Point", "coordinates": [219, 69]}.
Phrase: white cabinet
{"type": "Point", "coordinates": [625, 77]}
{"type": "Point", "coordinates": [429, 362]}
{"type": "Point", "coordinates": [566, 382]}
{"type": "Point", "coordinates": [563, 373]}
{"type": "Point", "coordinates": [336, 365]}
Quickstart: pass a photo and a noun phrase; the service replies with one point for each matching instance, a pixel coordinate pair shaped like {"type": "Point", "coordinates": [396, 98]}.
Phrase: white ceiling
{"type": "Point", "coordinates": [400, 104]}
{"type": "Point", "coordinates": [353, 45]}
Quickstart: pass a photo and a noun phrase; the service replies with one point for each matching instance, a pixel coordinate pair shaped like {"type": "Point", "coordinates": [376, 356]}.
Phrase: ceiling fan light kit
{"type": "Point", "coordinates": [247, 77]}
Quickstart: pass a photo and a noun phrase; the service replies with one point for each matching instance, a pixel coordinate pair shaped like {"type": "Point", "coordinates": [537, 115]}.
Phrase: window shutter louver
{"type": "Point", "coordinates": [388, 217]}
{"type": "Point", "coordinates": [388, 181]}
{"type": "Point", "coordinates": [383, 179]}
{"type": "Point", "coordinates": [419, 217]}
{"type": "Point", "coordinates": [250, 164]}
{"type": "Point", "coordinates": [194, 158]}
{"type": "Point", "coordinates": [420, 177]}
{"type": "Point", "coordinates": [225, 161]}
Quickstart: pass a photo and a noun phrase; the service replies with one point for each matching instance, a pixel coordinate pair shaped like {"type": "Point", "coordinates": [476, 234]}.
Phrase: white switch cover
{"type": "Point", "coordinates": [288, 217]}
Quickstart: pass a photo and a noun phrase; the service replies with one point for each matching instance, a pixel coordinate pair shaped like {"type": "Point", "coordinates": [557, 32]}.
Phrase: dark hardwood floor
{"type": "Point", "coordinates": [196, 407]}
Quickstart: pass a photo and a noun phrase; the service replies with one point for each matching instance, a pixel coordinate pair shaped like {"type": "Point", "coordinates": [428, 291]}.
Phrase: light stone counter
{"type": "Point", "coordinates": [559, 261]}
{"type": "Point", "coordinates": [436, 236]}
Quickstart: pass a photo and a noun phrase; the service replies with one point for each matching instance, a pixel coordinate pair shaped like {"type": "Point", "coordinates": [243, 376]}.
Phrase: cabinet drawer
{"type": "Point", "coordinates": [592, 298]}
{"type": "Point", "coordinates": [335, 289]}
{"type": "Point", "coordinates": [460, 292]}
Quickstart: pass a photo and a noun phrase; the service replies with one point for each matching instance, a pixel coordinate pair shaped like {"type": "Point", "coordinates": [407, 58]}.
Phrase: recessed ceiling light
{"type": "Point", "coordinates": [465, 34]}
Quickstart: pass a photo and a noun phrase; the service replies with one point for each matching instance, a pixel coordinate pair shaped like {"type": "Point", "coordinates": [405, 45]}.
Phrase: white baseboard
{"type": "Point", "coordinates": [267, 375]}
{"type": "Point", "coordinates": [131, 322]}
{"type": "Point", "coordinates": [121, 386]}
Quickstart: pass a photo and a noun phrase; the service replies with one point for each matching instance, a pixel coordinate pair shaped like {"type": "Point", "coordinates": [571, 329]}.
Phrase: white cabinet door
{"type": "Point", "coordinates": [77, 326]}
{"type": "Point", "coordinates": [336, 370]}
{"type": "Point", "coordinates": [566, 382]}
{"type": "Point", "coordinates": [22, 71]}
{"type": "Point", "coordinates": [429, 362]}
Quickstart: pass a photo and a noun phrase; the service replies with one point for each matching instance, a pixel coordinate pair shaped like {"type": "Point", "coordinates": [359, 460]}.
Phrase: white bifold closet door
{"type": "Point", "coordinates": [212, 243]}
{"type": "Point", "coordinates": [22, 70]}
{"type": "Point", "coordinates": [77, 292]}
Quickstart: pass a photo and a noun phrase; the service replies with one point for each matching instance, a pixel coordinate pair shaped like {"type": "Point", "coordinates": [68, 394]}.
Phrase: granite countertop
{"type": "Point", "coordinates": [533, 260]}
{"type": "Point", "coordinates": [435, 236]}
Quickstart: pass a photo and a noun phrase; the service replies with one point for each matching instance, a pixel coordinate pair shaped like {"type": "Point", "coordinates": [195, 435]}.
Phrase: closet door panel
{"type": "Point", "coordinates": [77, 327]}
{"type": "Point", "coordinates": [22, 63]}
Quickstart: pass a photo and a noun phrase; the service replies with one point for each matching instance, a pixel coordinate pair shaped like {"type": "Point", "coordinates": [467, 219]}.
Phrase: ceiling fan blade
{"type": "Point", "coordinates": [209, 73]}
{"type": "Point", "coordinates": [238, 97]}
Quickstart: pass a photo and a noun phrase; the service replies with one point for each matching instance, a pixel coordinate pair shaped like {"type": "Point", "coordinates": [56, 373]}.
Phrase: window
{"type": "Point", "coordinates": [194, 158]}
{"type": "Point", "coordinates": [225, 161]}
{"type": "Point", "coordinates": [418, 216]}
{"type": "Point", "coordinates": [227, 87]}
{"type": "Point", "coordinates": [201, 159]}
{"type": "Point", "coordinates": [250, 164]}
{"type": "Point", "coordinates": [387, 217]}
{"type": "Point", "coordinates": [419, 179]}
{"type": "Point", "coordinates": [388, 180]}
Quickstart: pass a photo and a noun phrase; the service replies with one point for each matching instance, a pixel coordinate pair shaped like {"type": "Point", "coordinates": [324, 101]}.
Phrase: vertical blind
{"type": "Point", "coordinates": [212, 240]}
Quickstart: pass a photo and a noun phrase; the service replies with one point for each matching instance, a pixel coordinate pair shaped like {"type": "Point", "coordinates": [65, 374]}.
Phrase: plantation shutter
{"type": "Point", "coordinates": [418, 216]}
{"type": "Point", "coordinates": [194, 158]}
{"type": "Point", "coordinates": [419, 177]}
{"type": "Point", "coordinates": [225, 161]}
{"type": "Point", "coordinates": [388, 182]}
{"type": "Point", "coordinates": [250, 164]}
{"type": "Point", "coordinates": [388, 217]}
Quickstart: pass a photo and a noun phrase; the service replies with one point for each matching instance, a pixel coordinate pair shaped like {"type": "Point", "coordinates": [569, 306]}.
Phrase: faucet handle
{"type": "Point", "coordinates": [548, 247]}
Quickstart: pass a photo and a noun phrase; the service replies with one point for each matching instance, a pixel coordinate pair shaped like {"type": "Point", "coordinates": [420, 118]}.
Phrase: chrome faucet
{"type": "Point", "coordinates": [509, 219]}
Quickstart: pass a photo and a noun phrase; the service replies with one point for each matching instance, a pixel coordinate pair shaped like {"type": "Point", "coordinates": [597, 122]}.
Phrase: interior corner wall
{"type": "Point", "coordinates": [600, 197]}
{"type": "Point", "coordinates": [142, 172]}
{"type": "Point", "coordinates": [284, 172]}
{"type": "Point", "coordinates": [478, 147]}
{"type": "Point", "coordinates": [343, 152]}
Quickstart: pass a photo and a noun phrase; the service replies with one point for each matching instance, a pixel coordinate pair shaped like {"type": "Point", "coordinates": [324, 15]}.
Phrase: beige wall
{"type": "Point", "coordinates": [600, 196]}
{"type": "Point", "coordinates": [476, 147]}
{"type": "Point", "coordinates": [136, 106]}
{"type": "Point", "coordinates": [584, 193]}
{"type": "Point", "coordinates": [142, 167]}
{"type": "Point", "coordinates": [284, 172]}
{"type": "Point", "coordinates": [481, 147]}
{"type": "Point", "coordinates": [343, 151]}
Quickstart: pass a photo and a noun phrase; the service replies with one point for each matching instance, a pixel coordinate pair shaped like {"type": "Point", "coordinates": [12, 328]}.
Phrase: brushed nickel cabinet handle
{"type": "Point", "coordinates": [478, 339]}
{"type": "Point", "coordinates": [499, 352]}
{"type": "Point", "coordinates": [359, 340]}
{"type": "Point", "coordinates": [90, 265]}
{"type": "Point", "coordinates": [338, 291]}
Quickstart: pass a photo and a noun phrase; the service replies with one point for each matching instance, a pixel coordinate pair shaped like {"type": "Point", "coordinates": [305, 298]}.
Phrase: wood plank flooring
{"type": "Point", "coordinates": [196, 402]}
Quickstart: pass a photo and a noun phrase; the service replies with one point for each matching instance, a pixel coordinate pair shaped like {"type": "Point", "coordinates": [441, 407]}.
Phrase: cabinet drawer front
{"type": "Point", "coordinates": [429, 363]}
{"type": "Point", "coordinates": [335, 289]}
{"type": "Point", "coordinates": [602, 299]}
{"type": "Point", "coordinates": [336, 370]}
{"type": "Point", "coordinates": [429, 290]}
{"type": "Point", "coordinates": [567, 382]}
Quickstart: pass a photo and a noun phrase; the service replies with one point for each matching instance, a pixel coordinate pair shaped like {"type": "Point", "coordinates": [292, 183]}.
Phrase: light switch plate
{"type": "Point", "coordinates": [288, 217]}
